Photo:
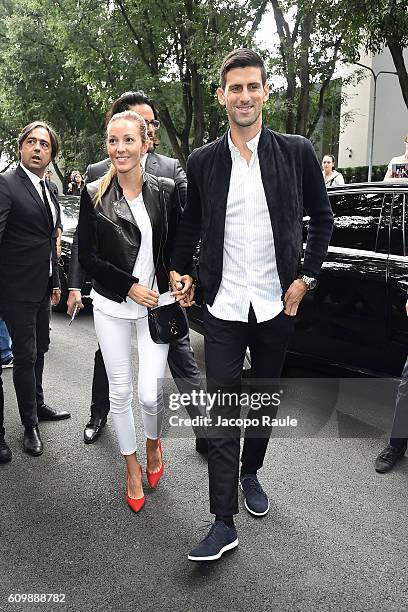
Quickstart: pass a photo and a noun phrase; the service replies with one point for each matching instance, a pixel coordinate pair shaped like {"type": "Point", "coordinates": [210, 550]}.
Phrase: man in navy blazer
{"type": "Point", "coordinates": [29, 222]}
{"type": "Point", "coordinates": [246, 193]}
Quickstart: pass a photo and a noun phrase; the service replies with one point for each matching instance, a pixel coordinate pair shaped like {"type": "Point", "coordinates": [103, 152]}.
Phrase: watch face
{"type": "Point", "coordinates": [312, 283]}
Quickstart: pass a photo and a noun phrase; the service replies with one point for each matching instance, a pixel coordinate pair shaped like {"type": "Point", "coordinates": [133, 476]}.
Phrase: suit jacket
{"type": "Point", "coordinates": [157, 165]}
{"type": "Point", "coordinates": [26, 240]}
{"type": "Point", "coordinates": [293, 182]}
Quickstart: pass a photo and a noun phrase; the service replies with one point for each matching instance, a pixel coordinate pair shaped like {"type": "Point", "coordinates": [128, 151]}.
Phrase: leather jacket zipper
{"type": "Point", "coordinates": [115, 225]}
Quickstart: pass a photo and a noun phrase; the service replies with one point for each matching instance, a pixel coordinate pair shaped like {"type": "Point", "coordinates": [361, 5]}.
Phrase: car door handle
{"type": "Point", "coordinates": [403, 285]}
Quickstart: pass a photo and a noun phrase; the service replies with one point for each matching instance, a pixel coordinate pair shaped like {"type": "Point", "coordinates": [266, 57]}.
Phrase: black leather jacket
{"type": "Point", "coordinates": [109, 238]}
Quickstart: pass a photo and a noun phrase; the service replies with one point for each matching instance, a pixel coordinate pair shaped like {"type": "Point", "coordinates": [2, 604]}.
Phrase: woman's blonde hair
{"type": "Point", "coordinates": [107, 178]}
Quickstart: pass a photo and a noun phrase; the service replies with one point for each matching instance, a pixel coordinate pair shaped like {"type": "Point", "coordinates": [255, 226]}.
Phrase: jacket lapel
{"type": "Point", "coordinates": [218, 187]}
{"type": "Point", "coordinates": [153, 206]}
{"type": "Point", "coordinates": [33, 192]}
{"type": "Point", "coordinates": [151, 164]}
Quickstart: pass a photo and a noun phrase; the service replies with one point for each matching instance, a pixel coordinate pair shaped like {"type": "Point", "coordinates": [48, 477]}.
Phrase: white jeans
{"type": "Point", "coordinates": [114, 337]}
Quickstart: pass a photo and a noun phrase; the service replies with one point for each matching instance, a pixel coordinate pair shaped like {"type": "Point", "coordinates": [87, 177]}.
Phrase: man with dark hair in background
{"type": "Point", "coordinates": [180, 359]}
{"type": "Point", "coordinates": [29, 218]}
{"type": "Point", "coordinates": [245, 199]}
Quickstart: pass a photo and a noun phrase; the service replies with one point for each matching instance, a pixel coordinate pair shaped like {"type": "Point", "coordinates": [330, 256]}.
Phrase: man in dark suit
{"type": "Point", "coordinates": [245, 198]}
{"type": "Point", "coordinates": [181, 360]}
{"type": "Point", "coordinates": [29, 218]}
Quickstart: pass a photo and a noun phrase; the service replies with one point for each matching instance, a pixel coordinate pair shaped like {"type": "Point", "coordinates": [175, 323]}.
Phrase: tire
{"type": "Point", "coordinates": [62, 304]}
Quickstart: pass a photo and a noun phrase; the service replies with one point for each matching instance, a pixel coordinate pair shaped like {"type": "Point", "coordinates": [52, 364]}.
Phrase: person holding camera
{"type": "Point", "coordinates": [123, 239]}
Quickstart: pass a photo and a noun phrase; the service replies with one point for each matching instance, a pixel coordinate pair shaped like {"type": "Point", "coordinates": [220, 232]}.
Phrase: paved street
{"type": "Point", "coordinates": [335, 538]}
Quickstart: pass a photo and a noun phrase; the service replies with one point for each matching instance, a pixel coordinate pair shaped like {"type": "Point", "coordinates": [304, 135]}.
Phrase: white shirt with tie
{"type": "Point", "coordinates": [35, 179]}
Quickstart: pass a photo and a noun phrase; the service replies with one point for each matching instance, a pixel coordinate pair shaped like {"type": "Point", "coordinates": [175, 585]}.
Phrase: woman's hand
{"type": "Point", "coordinates": [143, 296]}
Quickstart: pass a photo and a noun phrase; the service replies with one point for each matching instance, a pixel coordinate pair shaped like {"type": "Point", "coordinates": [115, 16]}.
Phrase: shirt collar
{"type": "Point", "coordinates": [143, 161]}
{"type": "Point", "coordinates": [251, 144]}
{"type": "Point", "coordinates": [34, 178]}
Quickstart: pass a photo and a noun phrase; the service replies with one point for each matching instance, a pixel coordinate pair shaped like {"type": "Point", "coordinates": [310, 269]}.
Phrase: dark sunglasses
{"type": "Point", "coordinates": [154, 123]}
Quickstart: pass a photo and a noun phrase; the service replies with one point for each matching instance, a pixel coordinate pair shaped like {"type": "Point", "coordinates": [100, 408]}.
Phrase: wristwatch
{"type": "Point", "coordinates": [309, 280]}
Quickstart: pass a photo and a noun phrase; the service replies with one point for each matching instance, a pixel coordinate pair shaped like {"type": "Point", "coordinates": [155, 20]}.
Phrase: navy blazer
{"type": "Point", "coordinates": [293, 183]}
{"type": "Point", "coordinates": [26, 240]}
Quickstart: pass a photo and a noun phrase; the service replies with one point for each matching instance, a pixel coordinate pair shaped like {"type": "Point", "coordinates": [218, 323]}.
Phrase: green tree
{"type": "Point", "coordinates": [311, 43]}
{"type": "Point", "coordinates": [381, 23]}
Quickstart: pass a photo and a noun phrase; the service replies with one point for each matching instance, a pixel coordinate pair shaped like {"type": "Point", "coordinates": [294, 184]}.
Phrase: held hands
{"type": "Point", "coordinates": [183, 288]}
{"type": "Point", "coordinates": [143, 296]}
{"type": "Point", "coordinates": [294, 296]}
{"type": "Point", "coordinates": [74, 299]}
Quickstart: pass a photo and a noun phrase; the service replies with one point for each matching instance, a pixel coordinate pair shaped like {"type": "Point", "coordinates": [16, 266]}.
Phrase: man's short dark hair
{"type": "Point", "coordinates": [241, 58]}
{"type": "Point", "coordinates": [26, 131]}
{"type": "Point", "coordinates": [126, 100]}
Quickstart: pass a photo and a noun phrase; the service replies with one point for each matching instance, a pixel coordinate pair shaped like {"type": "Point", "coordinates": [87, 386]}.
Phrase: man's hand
{"type": "Point", "coordinates": [294, 296]}
{"type": "Point", "coordinates": [182, 288]}
{"type": "Point", "coordinates": [74, 299]}
{"type": "Point", "coordinates": [55, 296]}
{"type": "Point", "coordinates": [143, 296]}
{"type": "Point", "coordinates": [58, 242]}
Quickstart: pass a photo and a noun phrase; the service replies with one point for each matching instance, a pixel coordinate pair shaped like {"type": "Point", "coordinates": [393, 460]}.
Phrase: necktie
{"type": "Point", "coordinates": [47, 205]}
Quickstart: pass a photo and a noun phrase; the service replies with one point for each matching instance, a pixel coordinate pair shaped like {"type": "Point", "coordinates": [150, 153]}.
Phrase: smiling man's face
{"type": "Point", "coordinates": [244, 96]}
{"type": "Point", "coordinates": [36, 151]}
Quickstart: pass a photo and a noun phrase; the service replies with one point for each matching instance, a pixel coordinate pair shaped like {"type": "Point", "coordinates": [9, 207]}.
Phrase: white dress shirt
{"type": "Point", "coordinates": [249, 273]}
{"type": "Point", "coordinates": [36, 182]}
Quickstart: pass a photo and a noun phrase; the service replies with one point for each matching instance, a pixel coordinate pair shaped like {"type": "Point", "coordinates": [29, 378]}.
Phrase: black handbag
{"type": "Point", "coordinates": [166, 323]}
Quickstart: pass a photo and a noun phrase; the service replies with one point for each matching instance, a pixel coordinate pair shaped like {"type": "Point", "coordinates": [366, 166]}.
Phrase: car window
{"type": "Point", "coordinates": [361, 221]}
{"type": "Point", "coordinates": [399, 224]}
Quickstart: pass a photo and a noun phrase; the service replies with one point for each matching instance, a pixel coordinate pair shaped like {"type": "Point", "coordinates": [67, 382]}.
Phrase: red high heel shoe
{"type": "Point", "coordinates": [135, 504]}
{"type": "Point", "coordinates": [154, 477]}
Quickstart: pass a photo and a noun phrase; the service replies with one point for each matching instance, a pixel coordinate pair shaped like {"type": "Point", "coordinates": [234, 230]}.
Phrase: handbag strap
{"type": "Point", "coordinates": [164, 228]}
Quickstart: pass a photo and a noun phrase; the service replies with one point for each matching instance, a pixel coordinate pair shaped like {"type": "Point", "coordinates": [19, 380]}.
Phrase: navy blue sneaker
{"type": "Point", "coordinates": [256, 500]}
{"type": "Point", "coordinates": [220, 538]}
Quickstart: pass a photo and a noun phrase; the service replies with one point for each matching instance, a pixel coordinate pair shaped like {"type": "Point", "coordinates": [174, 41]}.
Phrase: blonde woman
{"type": "Point", "coordinates": [123, 233]}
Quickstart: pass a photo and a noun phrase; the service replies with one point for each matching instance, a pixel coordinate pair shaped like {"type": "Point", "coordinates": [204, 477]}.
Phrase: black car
{"type": "Point", "coordinates": [355, 319]}
{"type": "Point", "coordinates": [69, 205]}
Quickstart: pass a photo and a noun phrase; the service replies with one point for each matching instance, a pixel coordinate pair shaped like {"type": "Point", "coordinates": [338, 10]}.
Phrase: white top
{"type": "Point", "coordinates": [143, 268]}
{"type": "Point", "coordinates": [35, 179]}
{"type": "Point", "coordinates": [249, 273]}
{"type": "Point", "coordinates": [334, 180]}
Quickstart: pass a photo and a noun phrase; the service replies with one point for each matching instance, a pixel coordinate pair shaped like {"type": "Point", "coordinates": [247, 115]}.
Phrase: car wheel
{"type": "Point", "coordinates": [62, 304]}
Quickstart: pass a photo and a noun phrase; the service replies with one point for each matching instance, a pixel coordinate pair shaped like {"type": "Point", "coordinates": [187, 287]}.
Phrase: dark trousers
{"type": "Point", "coordinates": [28, 326]}
{"type": "Point", "coordinates": [183, 368]}
{"type": "Point", "coordinates": [225, 346]}
{"type": "Point", "coordinates": [1, 405]}
{"type": "Point", "coordinates": [399, 433]}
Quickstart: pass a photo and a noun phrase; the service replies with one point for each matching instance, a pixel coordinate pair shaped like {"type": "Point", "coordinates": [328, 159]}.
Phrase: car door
{"type": "Point", "coordinates": [343, 321]}
{"type": "Point", "coordinates": [397, 283]}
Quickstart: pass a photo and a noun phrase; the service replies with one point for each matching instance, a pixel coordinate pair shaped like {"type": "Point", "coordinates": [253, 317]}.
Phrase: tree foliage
{"type": "Point", "coordinates": [65, 61]}
{"type": "Point", "coordinates": [379, 24]}
{"type": "Point", "coordinates": [311, 43]}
